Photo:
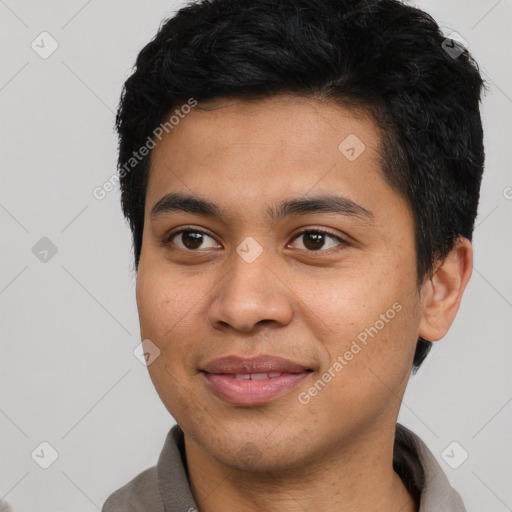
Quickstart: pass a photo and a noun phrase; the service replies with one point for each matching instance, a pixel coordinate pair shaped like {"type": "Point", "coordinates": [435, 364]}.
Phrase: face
{"type": "Point", "coordinates": [291, 244]}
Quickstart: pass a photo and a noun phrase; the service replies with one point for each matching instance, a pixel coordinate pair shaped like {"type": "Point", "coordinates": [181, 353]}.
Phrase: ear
{"type": "Point", "coordinates": [442, 293]}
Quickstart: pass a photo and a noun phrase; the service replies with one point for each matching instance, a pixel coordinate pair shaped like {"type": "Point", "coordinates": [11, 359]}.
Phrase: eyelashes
{"type": "Point", "coordinates": [324, 234]}
{"type": "Point", "coordinates": [314, 240]}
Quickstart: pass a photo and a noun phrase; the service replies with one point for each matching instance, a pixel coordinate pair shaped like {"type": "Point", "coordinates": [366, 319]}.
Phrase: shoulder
{"type": "Point", "coordinates": [4, 506]}
{"type": "Point", "coordinates": [140, 494]}
{"type": "Point", "coordinates": [160, 488]}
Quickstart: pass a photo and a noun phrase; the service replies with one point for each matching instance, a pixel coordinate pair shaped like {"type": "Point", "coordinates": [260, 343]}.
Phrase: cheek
{"type": "Point", "coordinates": [165, 303]}
{"type": "Point", "coordinates": [370, 361]}
{"type": "Point", "coordinates": [369, 311]}
{"type": "Point", "coordinates": [164, 317]}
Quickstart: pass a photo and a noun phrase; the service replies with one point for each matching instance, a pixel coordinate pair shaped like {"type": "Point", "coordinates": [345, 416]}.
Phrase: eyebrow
{"type": "Point", "coordinates": [177, 202]}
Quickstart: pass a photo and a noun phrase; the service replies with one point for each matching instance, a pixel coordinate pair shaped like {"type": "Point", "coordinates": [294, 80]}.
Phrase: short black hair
{"type": "Point", "coordinates": [384, 57]}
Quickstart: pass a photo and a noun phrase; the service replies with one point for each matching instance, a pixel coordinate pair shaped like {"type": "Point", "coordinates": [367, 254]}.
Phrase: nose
{"type": "Point", "coordinates": [251, 295]}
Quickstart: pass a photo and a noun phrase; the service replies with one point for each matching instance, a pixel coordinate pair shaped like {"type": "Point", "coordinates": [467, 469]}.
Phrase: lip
{"type": "Point", "coordinates": [219, 375]}
{"type": "Point", "coordinates": [258, 364]}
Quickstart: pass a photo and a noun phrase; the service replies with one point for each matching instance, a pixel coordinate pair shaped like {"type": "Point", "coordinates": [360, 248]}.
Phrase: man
{"type": "Point", "coordinates": [301, 179]}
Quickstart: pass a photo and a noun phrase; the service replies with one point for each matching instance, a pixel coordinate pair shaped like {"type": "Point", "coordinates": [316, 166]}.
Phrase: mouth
{"type": "Point", "coordinates": [254, 376]}
{"type": "Point", "coordinates": [252, 381]}
{"type": "Point", "coordinates": [253, 389]}
{"type": "Point", "coordinates": [255, 365]}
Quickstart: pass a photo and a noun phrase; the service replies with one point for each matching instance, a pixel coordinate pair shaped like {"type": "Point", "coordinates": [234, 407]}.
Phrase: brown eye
{"type": "Point", "coordinates": [316, 240]}
{"type": "Point", "coordinates": [191, 240]}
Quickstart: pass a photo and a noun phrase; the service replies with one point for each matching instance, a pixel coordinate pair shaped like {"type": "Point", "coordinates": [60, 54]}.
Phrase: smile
{"type": "Point", "coordinates": [250, 389]}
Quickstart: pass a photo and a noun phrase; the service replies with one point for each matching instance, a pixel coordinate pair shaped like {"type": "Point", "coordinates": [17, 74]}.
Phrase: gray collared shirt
{"type": "Point", "coordinates": [165, 487]}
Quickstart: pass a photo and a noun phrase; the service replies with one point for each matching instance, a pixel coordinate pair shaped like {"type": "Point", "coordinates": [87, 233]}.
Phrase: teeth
{"type": "Point", "coordinates": [257, 376]}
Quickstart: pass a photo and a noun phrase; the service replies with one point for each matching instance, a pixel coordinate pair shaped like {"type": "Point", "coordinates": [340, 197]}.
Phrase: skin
{"type": "Point", "coordinates": [199, 303]}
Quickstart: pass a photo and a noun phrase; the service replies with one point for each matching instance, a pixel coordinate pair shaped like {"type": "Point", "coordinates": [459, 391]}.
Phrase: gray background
{"type": "Point", "coordinates": [68, 375]}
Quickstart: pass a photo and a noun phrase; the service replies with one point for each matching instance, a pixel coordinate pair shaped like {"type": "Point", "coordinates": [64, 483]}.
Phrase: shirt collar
{"type": "Point", "coordinates": [424, 474]}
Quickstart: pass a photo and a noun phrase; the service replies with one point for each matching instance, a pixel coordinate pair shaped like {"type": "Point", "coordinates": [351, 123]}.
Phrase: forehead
{"type": "Point", "coordinates": [300, 122]}
{"type": "Point", "coordinates": [271, 139]}
{"type": "Point", "coordinates": [254, 161]}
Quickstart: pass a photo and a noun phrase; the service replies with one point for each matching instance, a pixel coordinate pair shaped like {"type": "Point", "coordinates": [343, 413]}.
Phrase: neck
{"type": "Point", "coordinates": [342, 480]}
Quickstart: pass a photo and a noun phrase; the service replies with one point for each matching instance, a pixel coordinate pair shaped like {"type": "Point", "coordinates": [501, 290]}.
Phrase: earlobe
{"type": "Point", "coordinates": [442, 293]}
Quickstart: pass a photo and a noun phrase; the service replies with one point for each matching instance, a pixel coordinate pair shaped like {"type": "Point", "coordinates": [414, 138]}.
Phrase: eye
{"type": "Point", "coordinates": [318, 239]}
{"type": "Point", "coordinates": [313, 240]}
{"type": "Point", "coordinates": [190, 240]}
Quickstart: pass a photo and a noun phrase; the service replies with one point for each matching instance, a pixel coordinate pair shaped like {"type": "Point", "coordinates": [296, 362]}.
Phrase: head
{"type": "Point", "coordinates": [266, 98]}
